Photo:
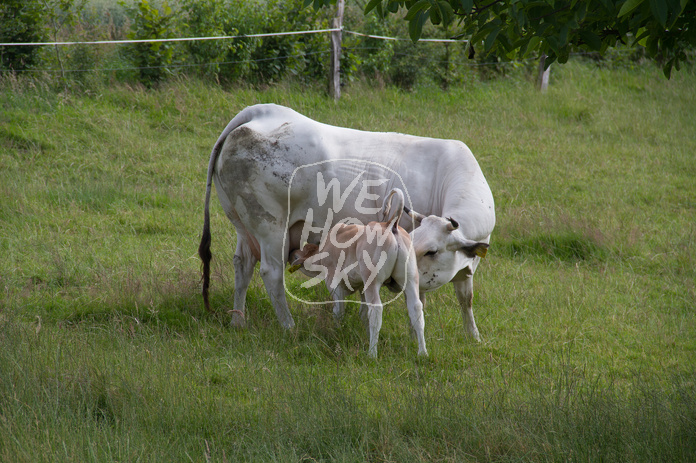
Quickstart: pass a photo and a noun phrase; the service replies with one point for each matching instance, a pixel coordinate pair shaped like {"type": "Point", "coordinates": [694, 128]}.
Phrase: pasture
{"type": "Point", "coordinates": [585, 302]}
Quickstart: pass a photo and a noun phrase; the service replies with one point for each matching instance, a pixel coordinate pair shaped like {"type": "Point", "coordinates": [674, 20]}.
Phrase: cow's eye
{"type": "Point", "coordinates": [431, 253]}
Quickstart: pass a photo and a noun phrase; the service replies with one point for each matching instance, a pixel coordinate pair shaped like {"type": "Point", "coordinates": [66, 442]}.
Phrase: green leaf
{"type": "Point", "coordinates": [629, 6]}
{"type": "Point", "coordinates": [393, 6]}
{"type": "Point", "coordinates": [651, 45]}
{"type": "Point", "coordinates": [563, 55]}
{"type": "Point", "coordinates": [553, 44]}
{"type": "Point", "coordinates": [581, 12]}
{"type": "Point", "coordinates": [416, 9]}
{"type": "Point", "coordinates": [446, 12]}
{"type": "Point", "coordinates": [563, 35]}
{"type": "Point", "coordinates": [591, 40]}
{"type": "Point", "coordinates": [504, 43]}
{"type": "Point", "coordinates": [490, 40]}
{"type": "Point", "coordinates": [371, 5]}
{"type": "Point", "coordinates": [641, 36]}
{"type": "Point", "coordinates": [468, 5]}
{"type": "Point", "coordinates": [481, 33]}
{"type": "Point", "coordinates": [415, 26]}
{"type": "Point", "coordinates": [532, 45]}
{"type": "Point", "coordinates": [667, 69]}
{"type": "Point", "coordinates": [659, 10]}
{"type": "Point", "coordinates": [435, 16]}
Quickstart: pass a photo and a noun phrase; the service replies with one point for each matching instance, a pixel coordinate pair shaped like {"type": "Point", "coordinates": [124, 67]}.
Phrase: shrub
{"type": "Point", "coordinates": [299, 55]}
{"type": "Point", "coordinates": [376, 54]}
{"type": "Point", "coordinates": [22, 21]}
{"type": "Point", "coordinates": [149, 22]}
{"type": "Point", "coordinates": [221, 59]}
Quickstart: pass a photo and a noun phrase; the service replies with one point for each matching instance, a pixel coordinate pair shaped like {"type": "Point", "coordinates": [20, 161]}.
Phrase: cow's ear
{"type": "Point", "coordinates": [475, 249]}
{"type": "Point", "coordinates": [414, 215]}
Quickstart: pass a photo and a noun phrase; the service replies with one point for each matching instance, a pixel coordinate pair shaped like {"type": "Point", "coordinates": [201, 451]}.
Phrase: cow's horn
{"type": "Point", "coordinates": [413, 214]}
{"type": "Point", "coordinates": [453, 225]}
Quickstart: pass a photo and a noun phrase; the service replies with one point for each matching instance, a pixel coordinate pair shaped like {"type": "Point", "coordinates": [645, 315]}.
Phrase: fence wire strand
{"type": "Point", "coordinates": [246, 61]}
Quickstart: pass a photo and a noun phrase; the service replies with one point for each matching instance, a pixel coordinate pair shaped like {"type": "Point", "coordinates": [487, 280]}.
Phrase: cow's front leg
{"type": "Point", "coordinates": [244, 263]}
{"type": "Point", "coordinates": [415, 313]}
{"type": "Point", "coordinates": [464, 289]}
{"type": "Point", "coordinates": [272, 274]}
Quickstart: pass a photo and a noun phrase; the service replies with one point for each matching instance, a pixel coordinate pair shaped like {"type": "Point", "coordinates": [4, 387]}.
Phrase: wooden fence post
{"type": "Point", "coordinates": [335, 66]}
{"type": "Point", "coordinates": [543, 76]}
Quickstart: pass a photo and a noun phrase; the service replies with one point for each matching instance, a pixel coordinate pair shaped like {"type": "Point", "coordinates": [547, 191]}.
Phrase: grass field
{"type": "Point", "coordinates": [585, 302]}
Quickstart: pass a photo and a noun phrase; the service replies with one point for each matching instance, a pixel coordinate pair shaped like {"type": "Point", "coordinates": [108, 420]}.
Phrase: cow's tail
{"type": "Point", "coordinates": [392, 212]}
{"type": "Point", "coordinates": [204, 247]}
{"type": "Point", "coordinates": [204, 251]}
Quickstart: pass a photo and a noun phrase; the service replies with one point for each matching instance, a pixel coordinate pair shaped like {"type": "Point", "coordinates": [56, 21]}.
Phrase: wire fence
{"type": "Point", "coordinates": [182, 39]}
{"type": "Point", "coordinates": [455, 61]}
{"type": "Point", "coordinates": [175, 65]}
{"type": "Point", "coordinates": [231, 37]}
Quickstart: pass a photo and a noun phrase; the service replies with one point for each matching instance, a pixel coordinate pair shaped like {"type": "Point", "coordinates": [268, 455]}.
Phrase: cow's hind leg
{"type": "Point", "coordinates": [244, 263]}
{"type": "Point", "coordinates": [272, 267]}
{"type": "Point", "coordinates": [464, 289]}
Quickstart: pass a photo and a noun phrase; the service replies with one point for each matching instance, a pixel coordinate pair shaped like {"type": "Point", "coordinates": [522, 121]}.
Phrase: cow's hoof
{"type": "Point", "coordinates": [238, 319]}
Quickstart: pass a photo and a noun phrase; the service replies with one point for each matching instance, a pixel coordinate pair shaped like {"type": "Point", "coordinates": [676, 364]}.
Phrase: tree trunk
{"type": "Point", "coordinates": [335, 67]}
{"type": "Point", "coordinates": [543, 76]}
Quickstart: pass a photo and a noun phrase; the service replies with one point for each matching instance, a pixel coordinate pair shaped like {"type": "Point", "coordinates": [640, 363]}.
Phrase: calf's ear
{"type": "Point", "coordinates": [297, 257]}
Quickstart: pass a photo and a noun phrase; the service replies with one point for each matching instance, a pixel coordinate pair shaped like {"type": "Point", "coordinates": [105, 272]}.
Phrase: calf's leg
{"type": "Point", "coordinates": [374, 316]}
{"type": "Point", "coordinates": [339, 295]}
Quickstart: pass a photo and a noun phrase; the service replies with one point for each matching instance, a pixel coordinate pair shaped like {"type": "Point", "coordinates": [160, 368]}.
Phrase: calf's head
{"type": "Point", "coordinates": [441, 250]}
{"type": "Point", "coordinates": [299, 256]}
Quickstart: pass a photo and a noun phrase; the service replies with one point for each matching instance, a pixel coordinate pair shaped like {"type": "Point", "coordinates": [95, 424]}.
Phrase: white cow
{"type": "Point", "coordinates": [274, 168]}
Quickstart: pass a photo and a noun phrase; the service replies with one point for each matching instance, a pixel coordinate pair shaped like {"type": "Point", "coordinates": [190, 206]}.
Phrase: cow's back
{"type": "Point", "coordinates": [269, 151]}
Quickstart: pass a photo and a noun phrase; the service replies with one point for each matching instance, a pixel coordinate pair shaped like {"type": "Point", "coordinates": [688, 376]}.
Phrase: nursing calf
{"type": "Point", "coordinates": [363, 258]}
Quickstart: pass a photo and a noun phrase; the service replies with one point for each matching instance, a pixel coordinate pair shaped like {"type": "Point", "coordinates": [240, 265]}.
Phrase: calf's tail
{"type": "Point", "coordinates": [392, 211]}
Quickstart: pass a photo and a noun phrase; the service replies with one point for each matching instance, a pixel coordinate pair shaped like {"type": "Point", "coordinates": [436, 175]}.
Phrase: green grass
{"type": "Point", "coordinates": [585, 302]}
